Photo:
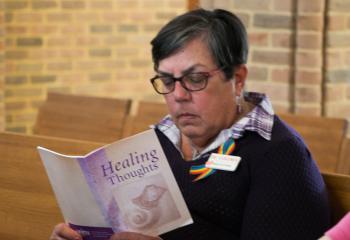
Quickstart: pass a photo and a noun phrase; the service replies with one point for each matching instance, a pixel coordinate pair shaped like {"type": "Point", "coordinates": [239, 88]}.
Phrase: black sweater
{"type": "Point", "coordinates": [276, 192]}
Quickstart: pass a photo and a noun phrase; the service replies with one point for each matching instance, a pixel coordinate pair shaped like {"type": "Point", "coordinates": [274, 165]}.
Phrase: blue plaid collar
{"type": "Point", "coordinates": [259, 120]}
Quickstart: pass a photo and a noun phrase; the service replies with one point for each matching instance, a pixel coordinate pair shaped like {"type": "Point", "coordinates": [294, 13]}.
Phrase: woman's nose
{"type": "Point", "coordinates": [180, 93]}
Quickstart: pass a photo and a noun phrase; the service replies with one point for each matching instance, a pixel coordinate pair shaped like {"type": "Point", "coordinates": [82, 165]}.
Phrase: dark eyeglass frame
{"type": "Point", "coordinates": [207, 75]}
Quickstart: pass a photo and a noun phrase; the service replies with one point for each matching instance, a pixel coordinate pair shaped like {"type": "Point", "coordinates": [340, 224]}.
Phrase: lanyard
{"type": "Point", "coordinates": [225, 149]}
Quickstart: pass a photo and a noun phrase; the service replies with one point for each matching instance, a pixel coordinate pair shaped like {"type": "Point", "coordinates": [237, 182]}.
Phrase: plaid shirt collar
{"type": "Point", "coordinates": [259, 120]}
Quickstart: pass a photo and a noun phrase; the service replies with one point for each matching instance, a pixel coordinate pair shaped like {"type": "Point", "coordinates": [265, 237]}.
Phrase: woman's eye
{"type": "Point", "coordinates": [196, 78]}
{"type": "Point", "coordinates": [167, 80]}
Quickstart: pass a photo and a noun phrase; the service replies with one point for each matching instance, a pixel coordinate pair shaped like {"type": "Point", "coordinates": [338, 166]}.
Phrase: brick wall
{"type": "Point", "coordinates": [95, 47]}
{"type": "Point", "coordinates": [299, 55]}
{"type": "Point", "coordinates": [337, 66]}
{"type": "Point", "coordinates": [2, 67]}
{"type": "Point", "coordinates": [309, 58]}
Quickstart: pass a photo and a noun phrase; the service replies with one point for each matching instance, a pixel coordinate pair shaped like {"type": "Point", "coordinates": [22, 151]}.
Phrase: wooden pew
{"type": "Point", "coordinates": [344, 163]}
{"type": "Point", "coordinates": [82, 117]}
{"type": "Point", "coordinates": [155, 110]}
{"type": "Point", "coordinates": [147, 113]}
{"type": "Point", "coordinates": [338, 187]}
{"type": "Point", "coordinates": [28, 208]}
{"type": "Point", "coordinates": [136, 124]}
{"type": "Point", "coordinates": [324, 137]}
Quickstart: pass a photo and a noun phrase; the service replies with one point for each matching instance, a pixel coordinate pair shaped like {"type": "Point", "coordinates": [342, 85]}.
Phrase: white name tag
{"type": "Point", "coordinates": [223, 162]}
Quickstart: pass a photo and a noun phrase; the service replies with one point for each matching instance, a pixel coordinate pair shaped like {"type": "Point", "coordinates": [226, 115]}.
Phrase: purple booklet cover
{"type": "Point", "coordinates": [130, 184]}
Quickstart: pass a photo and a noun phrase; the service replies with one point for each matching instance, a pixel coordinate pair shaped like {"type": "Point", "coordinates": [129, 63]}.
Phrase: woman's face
{"type": "Point", "coordinates": [200, 115]}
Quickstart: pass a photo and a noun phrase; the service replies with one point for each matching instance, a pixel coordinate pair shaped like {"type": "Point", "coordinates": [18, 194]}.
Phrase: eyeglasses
{"type": "Point", "coordinates": [192, 82]}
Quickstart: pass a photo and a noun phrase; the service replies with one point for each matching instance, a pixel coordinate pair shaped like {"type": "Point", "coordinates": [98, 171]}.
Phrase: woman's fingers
{"type": "Point", "coordinates": [63, 232]}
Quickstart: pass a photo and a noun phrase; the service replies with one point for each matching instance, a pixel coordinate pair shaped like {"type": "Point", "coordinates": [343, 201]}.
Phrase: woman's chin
{"type": "Point", "coordinates": [187, 129]}
{"type": "Point", "coordinates": [192, 131]}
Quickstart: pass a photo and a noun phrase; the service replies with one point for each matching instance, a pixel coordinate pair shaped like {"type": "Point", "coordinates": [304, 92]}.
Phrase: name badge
{"type": "Point", "coordinates": [223, 162]}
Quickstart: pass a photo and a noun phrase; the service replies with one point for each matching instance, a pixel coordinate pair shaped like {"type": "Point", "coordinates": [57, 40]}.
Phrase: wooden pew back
{"type": "Point", "coordinates": [28, 208]}
{"type": "Point", "coordinates": [136, 124]}
{"type": "Point", "coordinates": [154, 110]}
{"type": "Point", "coordinates": [338, 187]}
{"type": "Point", "coordinates": [82, 117]}
{"type": "Point", "coordinates": [344, 163]}
{"type": "Point", "coordinates": [323, 135]}
{"type": "Point", "coordinates": [147, 113]}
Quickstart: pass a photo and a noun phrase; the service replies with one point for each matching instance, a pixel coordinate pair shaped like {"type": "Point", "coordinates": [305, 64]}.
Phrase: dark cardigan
{"type": "Point", "coordinates": [276, 192]}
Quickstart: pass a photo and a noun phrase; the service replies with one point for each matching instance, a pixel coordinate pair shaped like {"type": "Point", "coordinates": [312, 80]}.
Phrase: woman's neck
{"type": "Point", "coordinates": [186, 149]}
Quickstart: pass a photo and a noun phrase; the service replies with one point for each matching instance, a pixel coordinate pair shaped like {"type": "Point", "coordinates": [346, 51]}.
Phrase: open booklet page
{"type": "Point", "coordinates": [124, 186]}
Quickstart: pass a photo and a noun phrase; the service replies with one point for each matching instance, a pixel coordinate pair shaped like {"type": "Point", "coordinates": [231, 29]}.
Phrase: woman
{"type": "Point", "coordinates": [276, 192]}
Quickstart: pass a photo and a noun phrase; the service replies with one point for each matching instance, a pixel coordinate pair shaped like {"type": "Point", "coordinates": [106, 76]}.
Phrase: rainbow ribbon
{"type": "Point", "coordinates": [226, 149]}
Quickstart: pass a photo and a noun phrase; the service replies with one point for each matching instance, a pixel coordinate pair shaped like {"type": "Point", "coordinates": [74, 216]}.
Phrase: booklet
{"type": "Point", "coordinates": [127, 185]}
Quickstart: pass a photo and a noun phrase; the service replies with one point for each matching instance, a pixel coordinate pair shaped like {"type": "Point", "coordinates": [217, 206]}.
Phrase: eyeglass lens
{"type": "Point", "coordinates": [191, 82]}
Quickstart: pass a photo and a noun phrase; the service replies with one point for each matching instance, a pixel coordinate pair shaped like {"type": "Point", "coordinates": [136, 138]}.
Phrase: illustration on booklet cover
{"type": "Point", "coordinates": [147, 205]}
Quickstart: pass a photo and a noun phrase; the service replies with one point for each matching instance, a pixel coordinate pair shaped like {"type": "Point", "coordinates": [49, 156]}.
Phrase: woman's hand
{"type": "Point", "coordinates": [63, 232]}
{"type": "Point", "coordinates": [132, 236]}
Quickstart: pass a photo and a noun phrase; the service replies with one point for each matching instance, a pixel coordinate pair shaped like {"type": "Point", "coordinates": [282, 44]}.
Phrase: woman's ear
{"type": "Point", "coordinates": [240, 75]}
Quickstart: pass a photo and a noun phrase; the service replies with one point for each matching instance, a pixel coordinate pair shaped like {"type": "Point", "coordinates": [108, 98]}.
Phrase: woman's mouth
{"type": "Point", "coordinates": [186, 116]}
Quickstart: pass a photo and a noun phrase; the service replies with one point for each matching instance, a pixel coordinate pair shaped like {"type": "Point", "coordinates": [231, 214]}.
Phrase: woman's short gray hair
{"type": "Point", "coordinates": [223, 32]}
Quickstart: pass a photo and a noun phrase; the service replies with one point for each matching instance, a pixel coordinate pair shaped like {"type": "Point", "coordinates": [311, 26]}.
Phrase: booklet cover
{"type": "Point", "coordinates": [124, 186]}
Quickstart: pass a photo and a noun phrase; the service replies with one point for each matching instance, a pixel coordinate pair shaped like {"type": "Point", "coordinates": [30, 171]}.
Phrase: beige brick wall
{"type": "Point", "coordinates": [299, 55]}
{"type": "Point", "coordinates": [2, 66]}
{"type": "Point", "coordinates": [95, 47]}
{"type": "Point", "coordinates": [337, 67]}
{"type": "Point", "coordinates": [308, 79]}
